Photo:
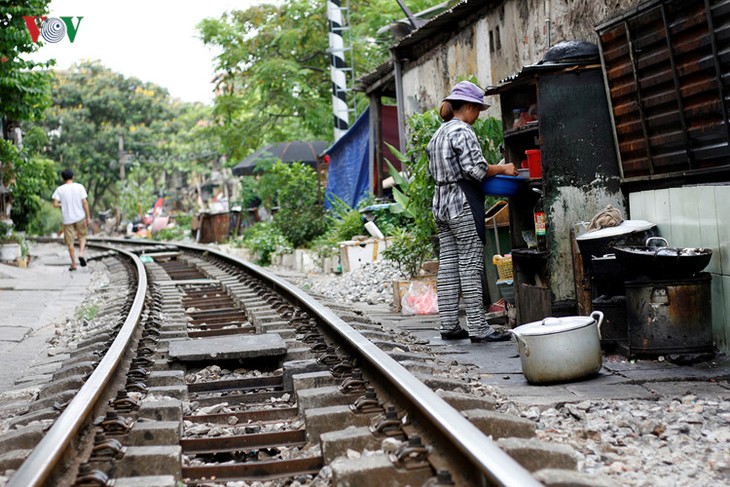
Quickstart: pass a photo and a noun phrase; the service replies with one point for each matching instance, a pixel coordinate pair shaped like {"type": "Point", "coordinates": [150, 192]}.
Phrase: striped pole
{"type": "Point", "coordinates": [339, 80]}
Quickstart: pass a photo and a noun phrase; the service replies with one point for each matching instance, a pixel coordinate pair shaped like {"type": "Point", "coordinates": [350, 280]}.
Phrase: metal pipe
{"type": "Point", "coordinates": [718, 69]}
{"type": "Point", "coordinates": [408, 13]}
{"type": "Point", "coordinates": [639, 98]}
{"type": "Point", "coordinates": [677, 86]}
{"type": "Point", "coordinates": [400, 102]}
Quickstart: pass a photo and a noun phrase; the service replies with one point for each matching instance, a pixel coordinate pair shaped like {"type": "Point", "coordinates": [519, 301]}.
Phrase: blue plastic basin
{"type": "Point", "coordinates": [502, 185]}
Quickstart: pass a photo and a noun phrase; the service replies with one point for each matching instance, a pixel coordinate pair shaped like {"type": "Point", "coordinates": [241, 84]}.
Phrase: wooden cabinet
{"type": "Point", "coordinates": [580, 175]}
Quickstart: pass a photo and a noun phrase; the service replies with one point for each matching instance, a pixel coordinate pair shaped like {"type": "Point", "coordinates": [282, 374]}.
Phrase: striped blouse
{"type": "Point", "coordinates": [454, 153]}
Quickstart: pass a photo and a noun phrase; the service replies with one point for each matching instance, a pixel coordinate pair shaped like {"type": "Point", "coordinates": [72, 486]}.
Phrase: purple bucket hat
{"type": "Point", "coordinates": [467, 91]}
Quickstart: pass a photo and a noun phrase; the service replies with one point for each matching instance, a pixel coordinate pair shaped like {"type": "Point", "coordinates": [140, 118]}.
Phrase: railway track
{"type": "Point", "coordinates": [208, 370]}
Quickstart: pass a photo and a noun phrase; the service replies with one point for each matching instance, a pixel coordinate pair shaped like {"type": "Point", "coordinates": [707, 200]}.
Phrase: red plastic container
{"type": "Point", "coordinates": [534, 163]}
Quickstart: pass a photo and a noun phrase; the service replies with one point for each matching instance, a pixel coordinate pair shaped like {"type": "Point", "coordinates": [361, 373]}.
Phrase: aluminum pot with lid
{"type": "Point", "coordinates": [560, 349]}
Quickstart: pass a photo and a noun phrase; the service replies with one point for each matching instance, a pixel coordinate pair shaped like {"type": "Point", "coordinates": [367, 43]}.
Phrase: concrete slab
{"type": "Point", "coordinates": [147, 481]}
{"type": "Point", "coordinates": [33, 301]}
{"type": "Point", "coordinates": [14, 333]}
{"type": "Point", "coordinates": [228, 348]}
{"type": "Point", "coordinates": [621, 391]}
{"type": "Point", "coordinates": [683, 388]}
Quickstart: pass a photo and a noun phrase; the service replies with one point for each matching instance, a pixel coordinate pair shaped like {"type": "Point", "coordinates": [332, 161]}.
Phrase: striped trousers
{"type": "Point", "coordinates": [461, 264]}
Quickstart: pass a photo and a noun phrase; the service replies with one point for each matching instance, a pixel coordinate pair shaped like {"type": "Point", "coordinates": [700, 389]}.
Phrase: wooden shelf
{"type": "Point", "coordinates": [530, 254]}
{"type": "Point", "coordinates": [530, 128]}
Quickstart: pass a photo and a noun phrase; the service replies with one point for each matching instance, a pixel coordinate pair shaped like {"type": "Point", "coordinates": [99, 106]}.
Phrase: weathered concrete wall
{"type": "Point", "coordinates": [523, 30]}
{"type": "Point", "coordinates": [429, 79]}
{"type": "Point", "coordinates": [570, 205]}
{"type": "Point", "coordinates": [513, 34]}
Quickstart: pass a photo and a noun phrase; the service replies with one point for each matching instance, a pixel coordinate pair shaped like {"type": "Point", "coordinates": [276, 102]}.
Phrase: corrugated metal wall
{"type": "Point", "coordinates": [667, 67]}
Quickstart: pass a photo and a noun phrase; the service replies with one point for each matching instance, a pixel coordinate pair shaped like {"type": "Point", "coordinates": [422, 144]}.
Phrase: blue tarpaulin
{"type": "Point", "coordinates": [348, 173]}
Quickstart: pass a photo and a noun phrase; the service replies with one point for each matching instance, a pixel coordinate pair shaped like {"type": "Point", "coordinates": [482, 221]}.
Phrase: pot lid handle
{"type": "Point", "coordinates": [550, 321]}
{"type": "Point", "coordinates": [651, 239]}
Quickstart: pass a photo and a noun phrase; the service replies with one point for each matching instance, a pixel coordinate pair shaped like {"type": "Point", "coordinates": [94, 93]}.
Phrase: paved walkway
{"type": "Point", "coordinates": [619, 378]}
{"type": "Point", "coordinates": [32, 302]}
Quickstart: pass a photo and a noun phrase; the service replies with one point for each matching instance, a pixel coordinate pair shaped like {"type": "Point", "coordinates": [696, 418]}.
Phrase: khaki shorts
{"type": "Point", "coordinates": [71, 230]}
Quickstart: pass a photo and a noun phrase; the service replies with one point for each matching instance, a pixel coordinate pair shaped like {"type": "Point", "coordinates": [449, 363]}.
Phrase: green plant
{"type": "Point", "coordinates": [5, 232]}
{"type": "Point", "coordinates": [414, 193]}
{"type": "Point", "coordinates": [48, 220]}
{"type": "Point", "coordinates": [264, 239]}
{"type": "Point", "coordinates": [301, 217]}
{"type": "Point", "coordinates": [136, 193]}
{"type": "Point", "coordinates": [29, 179]}
{"type": "Point", "coordinates": [345, 222]}
{"type": "Point", "coordinates": [179, 230]}
{"type": "Point", "coordinates": [34, 180]}
{"type": "Point", "coordinates": [389, 221]}
{"type": "Point", "coordinates": [249, 193]}
{"type": "Point", "coordinates": [408, 252]}
{"type": "Point", "coordinates": [24, 245]}
{"type": "Point", "coordinates": [87, 312]}
{"type": "Point", "coordinates": [489, 133]}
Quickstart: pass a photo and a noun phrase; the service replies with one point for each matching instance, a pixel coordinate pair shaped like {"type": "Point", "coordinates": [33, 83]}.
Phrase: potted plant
{"type": "Point", "coordinates": [22, 259]}
{"type": "Point", "coordinates": [9, 245]}
{"type": "Point", "coordinates": [411, 246]}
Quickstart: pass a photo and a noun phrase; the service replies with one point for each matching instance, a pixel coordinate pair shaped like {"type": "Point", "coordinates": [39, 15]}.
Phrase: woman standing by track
{"type": "Point", "coordinates": [458, 165]}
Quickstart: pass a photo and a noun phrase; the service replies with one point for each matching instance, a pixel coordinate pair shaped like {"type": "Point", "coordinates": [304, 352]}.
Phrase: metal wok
{"type": "Point", "coordinates": [662, 262]}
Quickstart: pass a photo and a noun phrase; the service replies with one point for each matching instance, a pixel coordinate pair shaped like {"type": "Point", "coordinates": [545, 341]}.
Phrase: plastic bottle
{"type": "Point", "coordinates": [540, 222]}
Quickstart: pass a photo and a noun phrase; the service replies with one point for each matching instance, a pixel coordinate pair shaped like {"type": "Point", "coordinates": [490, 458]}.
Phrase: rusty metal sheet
{"type": "Point", "coordinates": [671, 316]}
{"type": "Point", "coordinates": [667, 69]}
{"type": "Point", "coordinates": [196, 446]}
{"type": "Point", "coordinates": [240, 385]}
{"type": "Point", "coordinates": [239, 330]}
{"type": "Point", "coordinates": [256, 470]}
{"type": "Point", "coordinates": [258, 415]}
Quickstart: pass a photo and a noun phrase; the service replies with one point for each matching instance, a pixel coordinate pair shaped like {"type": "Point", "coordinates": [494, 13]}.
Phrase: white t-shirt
{"type": "Point", "coordinates": [71, 197]}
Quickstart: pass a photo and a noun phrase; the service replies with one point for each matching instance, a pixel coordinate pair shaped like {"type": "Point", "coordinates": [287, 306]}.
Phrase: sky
{"type": "Point", "coordinates": [153, 40]}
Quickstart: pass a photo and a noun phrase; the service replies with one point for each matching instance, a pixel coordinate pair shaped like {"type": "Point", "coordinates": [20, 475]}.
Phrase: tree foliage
{"type": "Point", "coordinates": [24, 90]}
{"type": "Point", "coordinates": [35, 177]}
{"type": "Point", "coordinates": [94, 108]}
{"type": "Point", "coordinates": [274, 79]}
{"type": "Point", "coordinates": [300, 218]}
{"type": "Point", "coordinates": [29, 176]}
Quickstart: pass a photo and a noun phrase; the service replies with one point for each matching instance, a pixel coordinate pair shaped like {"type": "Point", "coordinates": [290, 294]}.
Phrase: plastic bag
{"type": "Point", "coordinates": [420, 299]}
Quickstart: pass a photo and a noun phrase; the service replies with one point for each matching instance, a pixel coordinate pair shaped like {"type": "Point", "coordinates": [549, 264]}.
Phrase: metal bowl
{"type": "Point", "coordinates": [662, 262]}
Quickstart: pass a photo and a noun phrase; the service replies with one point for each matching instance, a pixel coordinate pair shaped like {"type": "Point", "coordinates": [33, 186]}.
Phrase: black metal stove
{"type": "Point", "coordinates": [656, 301]}
{"type": "Point", "coordinates": [670, 316]}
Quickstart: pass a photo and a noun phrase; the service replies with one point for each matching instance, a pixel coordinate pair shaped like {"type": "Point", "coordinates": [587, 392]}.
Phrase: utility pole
{"type": "Point", "coordinates": [338, 66]}
{"type": "Point", "coordinates": [122, 159]}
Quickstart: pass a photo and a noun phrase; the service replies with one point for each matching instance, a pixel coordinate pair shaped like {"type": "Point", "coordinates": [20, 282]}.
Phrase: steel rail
{"type": "Point", "coordinates": [38, 467]}
{"type": "Point", "coordinates": [497, 467]}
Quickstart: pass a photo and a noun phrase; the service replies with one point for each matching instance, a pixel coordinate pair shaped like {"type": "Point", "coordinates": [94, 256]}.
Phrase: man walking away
{"type": "Point", "coordinates": [71, 198]}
